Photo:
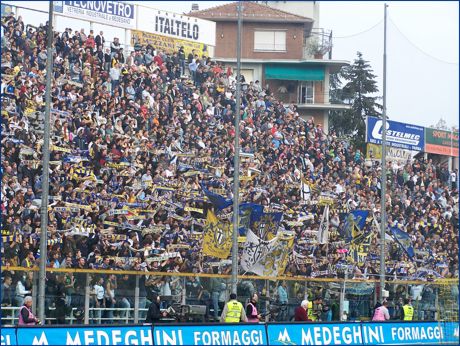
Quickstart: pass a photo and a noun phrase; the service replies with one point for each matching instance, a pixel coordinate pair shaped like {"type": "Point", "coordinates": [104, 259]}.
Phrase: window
{"type": "Point", "coordinates": [306, 93]}
{"type": "Point", "coordinates": [271, 41]}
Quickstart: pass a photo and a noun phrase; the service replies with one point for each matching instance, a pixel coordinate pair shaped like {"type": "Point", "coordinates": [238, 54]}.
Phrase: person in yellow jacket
{"type": "Point", "coordinates": [314, 309]}
{"type": "Point", "coordinates": [233, 311]}
{"type": "Point", "coordinates": [407, 311]}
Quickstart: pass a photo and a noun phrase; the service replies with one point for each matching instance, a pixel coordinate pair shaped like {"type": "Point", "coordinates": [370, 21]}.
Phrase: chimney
{"type": "Point", "coordinates": [195, 7]}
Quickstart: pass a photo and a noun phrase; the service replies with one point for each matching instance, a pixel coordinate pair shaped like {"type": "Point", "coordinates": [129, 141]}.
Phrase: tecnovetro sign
{"type": "Point", "coordinates": [176, 25]}
{"type": "Point", "coordinates": [114, 13]}
{"type": "Point", "coordinates": [398, 135]}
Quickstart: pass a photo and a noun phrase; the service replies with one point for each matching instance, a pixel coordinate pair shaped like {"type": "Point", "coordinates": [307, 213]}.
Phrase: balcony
{"type": "Point", "coordinates": [318, 44]}
{"type": "Point", "coordinates": [306, 95]}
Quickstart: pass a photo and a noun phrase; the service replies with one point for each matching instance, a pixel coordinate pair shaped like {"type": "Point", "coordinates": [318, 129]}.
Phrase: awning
{"type": "Point", "coordinates": [294, 72]}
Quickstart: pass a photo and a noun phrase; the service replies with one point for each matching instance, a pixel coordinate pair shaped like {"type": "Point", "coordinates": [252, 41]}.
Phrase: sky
{"type": "Point", "coordinates": [422, 49]}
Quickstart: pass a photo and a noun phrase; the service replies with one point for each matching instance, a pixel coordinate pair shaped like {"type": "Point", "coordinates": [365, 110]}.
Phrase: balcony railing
{"type": "Point", "coordinates": [318, 44]}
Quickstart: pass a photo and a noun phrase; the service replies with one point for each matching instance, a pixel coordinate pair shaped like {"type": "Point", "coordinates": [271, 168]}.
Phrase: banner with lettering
{"type": "Point", "coordinates": [398, 135]}
{"type": "Point", "coordinates": [115, 13]}
{"type": "Point", "coordinates": [177, 26]}
{"type": "Point", "coordinates": [441, 142]}
{"type": "Point", "coordinates": [374, 152]}
{"type": "Point", "coordinates": [167, 44]}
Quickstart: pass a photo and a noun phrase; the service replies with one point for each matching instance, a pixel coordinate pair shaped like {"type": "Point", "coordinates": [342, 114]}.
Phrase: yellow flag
{"type": "Point", "coordinates": [217, 240]}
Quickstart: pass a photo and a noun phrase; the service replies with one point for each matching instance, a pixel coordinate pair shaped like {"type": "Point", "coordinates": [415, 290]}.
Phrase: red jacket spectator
{"type": "Point", "coordinates": [300, 314]}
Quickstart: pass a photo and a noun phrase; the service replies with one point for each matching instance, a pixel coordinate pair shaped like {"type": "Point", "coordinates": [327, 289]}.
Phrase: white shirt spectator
{"type": "Point", "coordinates": [99, 292]}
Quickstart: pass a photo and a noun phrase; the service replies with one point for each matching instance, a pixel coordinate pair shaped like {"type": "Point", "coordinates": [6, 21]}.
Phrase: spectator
{"type": "Point", "coordinates": [251, 309]}
{"type": "Point", "coordinates": [381, 313]}
{"type": "Point", "coordinates": [132, 144]}
{"type": "Point", "coordinates": [26, 317]}
{"type": "Point", "coordinates": [300, 313]}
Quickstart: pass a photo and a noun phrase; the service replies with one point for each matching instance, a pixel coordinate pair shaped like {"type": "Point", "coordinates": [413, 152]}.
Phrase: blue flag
{"type": "Point", "coordinates": [217, 200]}
{"type": "Point", "coordinates": [265, 225]}
{"type": "Point", "coordinates": [403, 239]}
{"type": "Point", "coordinates": [354, 224]}
{"type": "Point", "coordinates": [247, 211]}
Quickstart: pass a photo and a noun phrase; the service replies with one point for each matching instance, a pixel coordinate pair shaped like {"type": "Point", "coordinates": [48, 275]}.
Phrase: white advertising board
{"type": "Point", "coordinates": [115, 13]}
{"type": "Point", "coordinates": [176, 25]}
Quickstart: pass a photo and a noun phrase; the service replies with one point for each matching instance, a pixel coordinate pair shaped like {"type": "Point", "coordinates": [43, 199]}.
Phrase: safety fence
{"type": "Point", "coordinates": [364, 333]}
{"type": "Point", "coordinates": [10, 315]}
{"type": "Point", "coordinates": [200, 297]}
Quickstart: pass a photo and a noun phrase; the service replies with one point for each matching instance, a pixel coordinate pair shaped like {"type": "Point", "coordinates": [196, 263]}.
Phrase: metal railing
{"type": "Point", "coordinates": [437, 300]}
{"type": "Point", "coordinates": [10, 315]}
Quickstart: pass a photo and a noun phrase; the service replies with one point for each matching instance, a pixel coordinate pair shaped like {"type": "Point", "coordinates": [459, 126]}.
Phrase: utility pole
{"type": "Point", "coordinates": [236, 160]}
{"type": "Point", "coordinates": [383, 223]}
{"type": "Point", "coordinates": [46, 167]}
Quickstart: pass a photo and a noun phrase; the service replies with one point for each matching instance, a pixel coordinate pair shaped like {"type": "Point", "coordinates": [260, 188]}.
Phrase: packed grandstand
{"type": "Point", "coordinates": [141, 164]}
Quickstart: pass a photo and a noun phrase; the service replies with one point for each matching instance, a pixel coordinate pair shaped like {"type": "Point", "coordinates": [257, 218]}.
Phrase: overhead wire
{"type": "Point", "coordinates": [361, 32]}
{"type": "Point", "coordinates": [418, 48]}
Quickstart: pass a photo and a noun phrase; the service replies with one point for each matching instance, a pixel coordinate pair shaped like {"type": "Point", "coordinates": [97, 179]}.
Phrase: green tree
{"type": "Point", "coordinates": [359, 91]}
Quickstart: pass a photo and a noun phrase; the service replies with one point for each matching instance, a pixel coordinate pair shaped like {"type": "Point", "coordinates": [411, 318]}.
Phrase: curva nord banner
{"type": "Point", "coordinates": [398, 135]}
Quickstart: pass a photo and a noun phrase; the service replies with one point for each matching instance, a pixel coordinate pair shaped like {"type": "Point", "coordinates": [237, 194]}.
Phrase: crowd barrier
{"type": "Point", "coordinates": [347, 333]}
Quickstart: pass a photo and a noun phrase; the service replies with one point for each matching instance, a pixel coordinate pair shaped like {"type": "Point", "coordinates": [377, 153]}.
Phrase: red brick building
{"type": "Point", "coordinates": [280, 49]}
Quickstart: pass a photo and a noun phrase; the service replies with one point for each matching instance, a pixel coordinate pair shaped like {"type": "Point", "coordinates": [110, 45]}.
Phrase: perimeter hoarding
{"type": "Point", "coordinates": [8, 336]}
{"type": "Point", "coordinates": [87, 335]}
{"type": "Point", "coordinates": [168, 44]}
{"type": "Point", "coordinates": [441, 142]}
{"type": "Point", "coordinates": [218, 334]}
{"type": "Point", "coordinates": [389, 333]}
{"type": "Point", "coordinates": [398, 135]}
{"type": "Point", "coordinates": [176, 26]}
{"type": "Point", "coordinates": [113, 13]}
{"type": "Point", "coordinates": [295, 333]}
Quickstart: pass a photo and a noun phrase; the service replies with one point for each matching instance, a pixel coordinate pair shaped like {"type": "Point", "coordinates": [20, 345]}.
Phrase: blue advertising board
{"type": "Point", "coordinates": [363, 333]}
{"type": "Point", "coordinates": [314, 334]}
{"type": "Point", "coordinates": [398, 135]}
{"type": "Point", "coordinates": [218, 334]}
{"type": "Point", "coordinates": [359, 333]}
{"type": "Point", "coordinates": [110, 335]}
{"type": "Point", "coordinates": [8, 336]}
{"type": "Point", "coordinates": [450, 333]}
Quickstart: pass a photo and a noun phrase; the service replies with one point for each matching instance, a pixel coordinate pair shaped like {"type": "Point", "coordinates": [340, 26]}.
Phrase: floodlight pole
{"type": "Point", "coordinates": [45, 177]}
{"type": "Point", "coordinates": [236, 160]}
{"type": "Point", "coordinates": [383, 182]}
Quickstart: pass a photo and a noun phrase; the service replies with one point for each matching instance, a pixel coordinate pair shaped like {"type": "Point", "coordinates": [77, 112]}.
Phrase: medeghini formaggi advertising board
{"type": "Point", "coordinates": [391, 333]}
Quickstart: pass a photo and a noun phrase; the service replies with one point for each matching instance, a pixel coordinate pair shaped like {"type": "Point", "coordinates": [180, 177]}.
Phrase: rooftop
{"type": "Point", "coordinates": [252, 12]}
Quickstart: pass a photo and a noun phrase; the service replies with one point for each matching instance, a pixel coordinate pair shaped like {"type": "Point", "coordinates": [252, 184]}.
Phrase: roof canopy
{"type": "Point", "coordinates": [294, 72]}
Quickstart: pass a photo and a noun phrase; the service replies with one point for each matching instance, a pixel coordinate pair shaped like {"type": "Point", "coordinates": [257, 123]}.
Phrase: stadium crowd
{"type": "Point", "coordinates": [135, 134]}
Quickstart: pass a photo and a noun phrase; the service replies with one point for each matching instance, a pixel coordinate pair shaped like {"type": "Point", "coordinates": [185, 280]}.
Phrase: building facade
{"type": "Point", "coordinates": [281, 49]}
